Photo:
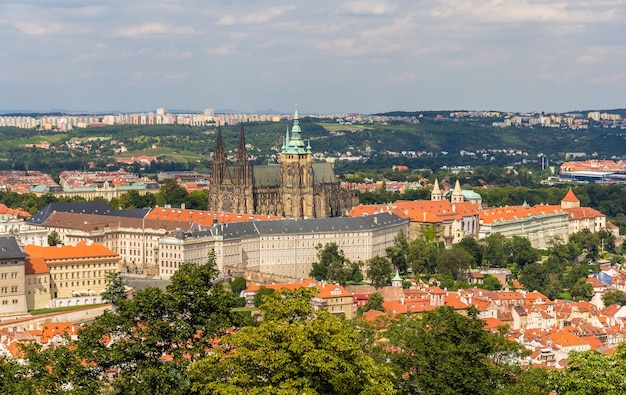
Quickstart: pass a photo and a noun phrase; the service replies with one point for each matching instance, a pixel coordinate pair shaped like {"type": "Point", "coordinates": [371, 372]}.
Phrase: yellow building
{"type": "Point", "coordinates": [37, 283]}
{"type": "Point", "coordinates": [77, 273]}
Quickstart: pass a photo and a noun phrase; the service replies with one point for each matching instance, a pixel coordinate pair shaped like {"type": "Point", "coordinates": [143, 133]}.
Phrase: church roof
{"type": "Point", "coordinates": [269, 175]}
{"type": "Point", "coordinates": [570, 197]}
{"type": "Point", "coordinates": [266, 175]}
{"type": "Point", "coordinates": [323, 173]}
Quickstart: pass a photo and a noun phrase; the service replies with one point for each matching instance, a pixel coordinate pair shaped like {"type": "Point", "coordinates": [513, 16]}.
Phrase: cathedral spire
{"type": "Point", "coordinates": [457, 193]}
{"type": "Point", "coordinates": [219, 169]}
{"type": "Point", "coordinates": [295, 144]}
{"type": "Point", "coordinates": [435, 194]}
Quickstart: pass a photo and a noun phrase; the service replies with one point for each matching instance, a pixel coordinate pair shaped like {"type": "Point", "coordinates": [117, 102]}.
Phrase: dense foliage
{"type": "Point", "coordinates": [188, 340]}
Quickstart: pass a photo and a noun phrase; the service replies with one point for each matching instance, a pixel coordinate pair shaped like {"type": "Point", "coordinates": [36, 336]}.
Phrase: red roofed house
{"type": "Point", "coordinates": [582, 217]}
{"type": "Point", "coordinates": [77, 273]}
{"type": "Point", "coordinates": [437, 219]}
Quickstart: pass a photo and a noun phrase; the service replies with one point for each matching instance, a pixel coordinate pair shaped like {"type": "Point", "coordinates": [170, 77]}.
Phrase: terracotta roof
{"type": "Point", "coordinates": [18, 212]}
{"type": "Point", "coordinates": [204, 218]}
{"type": "Point", "coordinates": [277, 287]}
{"type": "Point", "coordinates": [82, 249]}
{"type": "Point", "coordinates": [583, 212]}
{"type": "Point", "coordinates": [331, 291]}
{"type": "Point", "coordinates": [35, 265]}
{"type": "Point", "coordinates": [570, 197]}
{"type": "Point", "coordinates": [512, 213]}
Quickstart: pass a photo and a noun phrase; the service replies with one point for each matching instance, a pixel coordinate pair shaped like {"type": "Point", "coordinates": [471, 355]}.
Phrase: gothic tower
{"type": "Point", "coordinates": [297, 174]}
{"type": "Point", "coordinates": [221, 182]}
{"type": "Point", "coordinates": [435, 194]}
{"type": "Point", "coordinates": [457, 193]}
{"type": "Point", "coordinates": [243, 178]}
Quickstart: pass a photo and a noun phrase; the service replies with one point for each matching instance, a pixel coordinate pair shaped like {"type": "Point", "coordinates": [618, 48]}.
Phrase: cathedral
{"type": "Point", "coordinates": [296, 188]}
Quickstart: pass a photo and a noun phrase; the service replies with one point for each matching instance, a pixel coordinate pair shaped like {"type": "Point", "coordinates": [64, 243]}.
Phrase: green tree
{"type": "Point", "coordinates": [115, 288]}
{"type": "Point", "coordinates": [529, 381]}
{"type": "Point", "coordinates": [454, 262]}
{"type": "Point", "coordinates": [54, 370]}
{"type": "Point", "coordinates": [333, 266]}
{"type": "Point", "coordinates": [444, 352]}
{"type": "Point", "coordinates": [398, 252]}
{"type": "Point", "coordinates": [591, 372]}
{"type": "Point", "coordinates": [54, 238]}
{"type": "Point", "coordinates": [474, 248]}
{"type": "Point", "coordinates": [522, 252]}
{"type": "Point", "coordinates": [491, 283]}
{"type": "Point", "coordinates": [614, 297]}
{"type": "Point", "coordinates": [311, 353]}
{"type": "Point", "coordinates": [379, 271]}
{"type": "Point", "coordinates": [533, 276]}
{"type": "Point", "coordinates": [261, 294]}
{"type": "Point", "coordinates": [172, 193]}
{"type": "Point", "coordinates": [496, 250]}
{"type": "Point", "coordinates": [582, 290]}
{"type": "Point", "coordinates": [177, 322]}
{"type": "Point", "coordinates": [422, 256]}
{"type": "Point", "coordinates": [375, 302]}
{"type": "Point", "coordinates": [238, 284]}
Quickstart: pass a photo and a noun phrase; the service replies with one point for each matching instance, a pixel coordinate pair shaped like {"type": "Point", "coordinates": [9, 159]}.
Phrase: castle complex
{"type": "Point", "coordinates": [297, 188]}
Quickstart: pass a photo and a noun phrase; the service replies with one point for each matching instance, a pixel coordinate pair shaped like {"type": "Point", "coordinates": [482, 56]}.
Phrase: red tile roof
{"type": "Point", "coordinates": [82, 249]}
{"type": "Point", "coordinates": [35, 265]}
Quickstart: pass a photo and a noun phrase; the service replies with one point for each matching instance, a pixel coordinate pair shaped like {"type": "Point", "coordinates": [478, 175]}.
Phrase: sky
{"type": "Point", "coordinates": [334, 56]}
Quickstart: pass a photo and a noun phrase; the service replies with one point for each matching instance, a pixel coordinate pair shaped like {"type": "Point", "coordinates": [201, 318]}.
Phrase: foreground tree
{"type": "Point", "coordinates": [149, 339]}
{"type": "Point", "coordinates": [592, 372]}
{"type": "Point", "coordinates": [309, 352]}
{"type": "Point", "coordinates": [447, 353]}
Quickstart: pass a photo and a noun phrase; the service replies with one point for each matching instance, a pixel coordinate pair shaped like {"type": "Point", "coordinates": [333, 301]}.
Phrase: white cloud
{"type": "Point", "coordinates": [369, 7]}
{"type": "Point", "coordinates": [267, 14]}
{"type": "Point", "coordinates": [511, 11]}
{"type": "Point", "coordinates": [226, 20]}
{"type": "Point", "coordinates": [39, 29]}
{"type": "Point", "coordinates": [223, 50]}
{"type": "Point", "coordinates": [155, 29]}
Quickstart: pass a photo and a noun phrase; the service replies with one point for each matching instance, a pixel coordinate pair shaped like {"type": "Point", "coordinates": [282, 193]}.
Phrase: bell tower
{"type": "Point", "coordinates": [297, 174]}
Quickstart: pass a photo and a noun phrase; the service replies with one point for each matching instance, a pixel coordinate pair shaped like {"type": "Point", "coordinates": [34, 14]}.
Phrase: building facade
{"type": "Point", "coordinates": [77, 273]}
{"type": "Point", "coordinates": [12, 282]}
{"type": "Point", "coordinates": [297, 188]}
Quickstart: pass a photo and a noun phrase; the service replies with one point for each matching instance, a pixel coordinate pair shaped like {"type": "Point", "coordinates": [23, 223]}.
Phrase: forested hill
{"type": "Point", "coordinates": [193, 145]}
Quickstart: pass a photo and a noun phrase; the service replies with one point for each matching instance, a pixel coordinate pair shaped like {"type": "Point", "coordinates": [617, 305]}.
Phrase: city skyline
{"type": "Point", "coordinates": [331, 57]}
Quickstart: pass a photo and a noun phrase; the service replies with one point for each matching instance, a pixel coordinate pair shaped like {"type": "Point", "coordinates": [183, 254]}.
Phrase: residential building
{"type": "Point", "coordinates": [581, 218]}
{"type": "Point", "coordinates": [77, 273]}
{"type": "Point", "coordinates": [12, 282]}
{"type": "Point", "coordinates": [539, 224]}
